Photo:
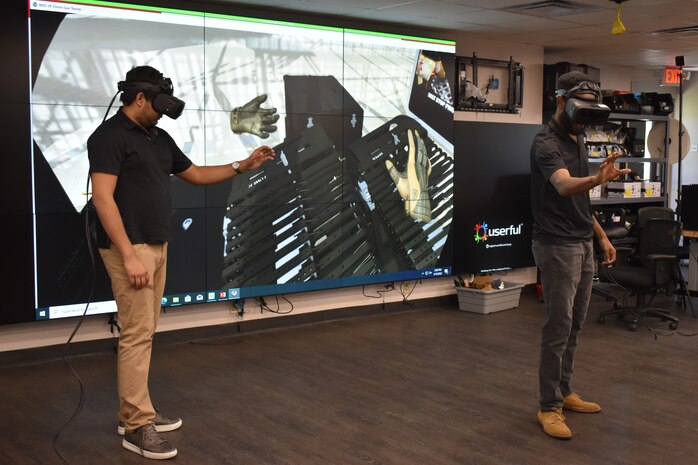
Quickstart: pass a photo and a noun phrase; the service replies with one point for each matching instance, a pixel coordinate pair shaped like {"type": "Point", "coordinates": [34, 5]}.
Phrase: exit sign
{"type": "Point", "coordinates": [672, 76]}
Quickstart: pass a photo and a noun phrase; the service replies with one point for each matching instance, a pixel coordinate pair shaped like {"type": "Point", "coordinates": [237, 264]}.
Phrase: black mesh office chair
{"type": "Point", "coordinates": [613, 221]}
{"type": "Point", "coordinates": [646, 213]}
{"type": "Point", "coordinates": [655, 274]}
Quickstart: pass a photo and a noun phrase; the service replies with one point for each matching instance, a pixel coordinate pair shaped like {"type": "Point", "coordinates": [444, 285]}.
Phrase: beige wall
{"type": "Point", "coordinates": [530, 57]}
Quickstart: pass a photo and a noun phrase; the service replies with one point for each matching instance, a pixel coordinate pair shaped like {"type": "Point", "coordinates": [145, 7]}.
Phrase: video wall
{"type": "Point", "coordinates": [361, 190]}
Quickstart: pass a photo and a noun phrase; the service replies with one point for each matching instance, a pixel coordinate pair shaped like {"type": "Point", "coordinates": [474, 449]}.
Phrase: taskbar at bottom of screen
{"type": "Point", "coordinates": [233, 294]}
{"type": "Point", "coordinates": [174, 300]}
{"type": "Point", "coordinates": [238, 293]}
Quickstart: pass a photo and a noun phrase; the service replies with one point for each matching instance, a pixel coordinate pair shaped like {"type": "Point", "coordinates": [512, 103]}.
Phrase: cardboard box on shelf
{"type": "Point", "coordinates": [651, 189]}
{"type": "Point", "coordinates": [629, 190]}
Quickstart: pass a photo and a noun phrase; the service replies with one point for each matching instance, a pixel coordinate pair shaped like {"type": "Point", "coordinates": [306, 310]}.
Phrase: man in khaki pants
{"type": "Point", "coordinates": [131, 161]}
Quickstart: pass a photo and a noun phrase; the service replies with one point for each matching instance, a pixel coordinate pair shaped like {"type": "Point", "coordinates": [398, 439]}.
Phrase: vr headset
{"type": "Point", "coordinates": [163, 102]}
{"type": "Point", "coordinates": [588, 112]}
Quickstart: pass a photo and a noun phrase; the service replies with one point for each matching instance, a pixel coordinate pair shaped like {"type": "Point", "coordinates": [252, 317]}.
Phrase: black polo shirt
{"type": "Point", "coordinates": [558, 219]}
{"type": "Point", "coordinates": [143, 161]}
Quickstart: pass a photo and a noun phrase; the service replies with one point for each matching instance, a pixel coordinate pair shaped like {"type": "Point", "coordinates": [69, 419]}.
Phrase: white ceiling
{"type": "Point", "coordinates": [576, 30]}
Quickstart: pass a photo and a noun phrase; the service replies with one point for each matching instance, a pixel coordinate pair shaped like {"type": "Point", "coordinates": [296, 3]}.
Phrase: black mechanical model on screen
{"type": "Point", "coordinates": [337, 203]}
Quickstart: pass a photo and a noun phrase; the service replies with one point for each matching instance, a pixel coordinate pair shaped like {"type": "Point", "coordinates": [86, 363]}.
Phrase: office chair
{"type": "Point", "coordinates": [646, 213]}
{"type": "Point", "coordinates": [613, 221]}
{"type": "Point", "coordinates": [656, 273]}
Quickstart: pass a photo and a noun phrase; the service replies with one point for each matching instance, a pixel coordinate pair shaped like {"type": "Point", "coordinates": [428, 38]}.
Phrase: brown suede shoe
{"type": "Point", "coordinates": [575, 403]}
{"type": "Point", "coordinates": [553, 423]}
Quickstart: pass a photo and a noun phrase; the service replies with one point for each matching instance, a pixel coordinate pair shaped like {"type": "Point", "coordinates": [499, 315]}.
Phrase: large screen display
{"type": "Point", "coordinates": [361, 190]}
{"type": "Point", "coordinates": [493, 222]}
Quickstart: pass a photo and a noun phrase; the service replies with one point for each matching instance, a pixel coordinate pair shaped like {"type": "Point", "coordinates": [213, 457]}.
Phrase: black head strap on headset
{"type": "Point", "coordinates": [579, 110]}
{"type": "Point", "coordinates": [584, 87]}
{"type": "Point", "coordinates": [163, 101]}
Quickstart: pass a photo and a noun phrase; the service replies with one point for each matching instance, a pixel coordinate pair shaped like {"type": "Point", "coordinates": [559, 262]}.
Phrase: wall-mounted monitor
{"type": "Point", "coordinates": [365, 119]}
{"type": "Point", "coordinates": [493, 222]}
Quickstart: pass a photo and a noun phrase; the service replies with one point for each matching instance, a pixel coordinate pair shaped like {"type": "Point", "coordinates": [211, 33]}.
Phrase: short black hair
{"type": "Point", "coordinates": [142, 73]}
{"type": "Point", "coordinates": [572, 79]}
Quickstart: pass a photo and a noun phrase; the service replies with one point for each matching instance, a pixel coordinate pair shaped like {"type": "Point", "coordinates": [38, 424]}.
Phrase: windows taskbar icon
{"type": "Point", "coordinates": [200, 297]}
{"type": "Point", "coordinates": [436, 272]}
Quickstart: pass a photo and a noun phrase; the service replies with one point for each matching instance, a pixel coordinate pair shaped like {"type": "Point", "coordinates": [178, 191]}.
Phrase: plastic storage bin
{"type": "Point", "coordinates": [475, 300]}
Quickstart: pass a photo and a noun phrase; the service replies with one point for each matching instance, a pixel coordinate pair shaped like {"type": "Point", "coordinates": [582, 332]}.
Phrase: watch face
{"type": "Point", "coordinates": [236, 165]}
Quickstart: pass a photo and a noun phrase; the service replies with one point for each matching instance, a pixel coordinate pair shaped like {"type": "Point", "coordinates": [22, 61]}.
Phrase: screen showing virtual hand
{"type": "Point", "coordinates": [413, 183]}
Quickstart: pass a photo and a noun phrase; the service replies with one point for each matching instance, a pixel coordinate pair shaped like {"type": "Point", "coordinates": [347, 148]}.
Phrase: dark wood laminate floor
{"type": "Point", "coordinates": [430, 386]}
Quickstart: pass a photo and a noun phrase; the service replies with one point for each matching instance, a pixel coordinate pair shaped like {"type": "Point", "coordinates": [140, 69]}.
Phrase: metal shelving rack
{"type": "Point", "coordinates": [660, 165]}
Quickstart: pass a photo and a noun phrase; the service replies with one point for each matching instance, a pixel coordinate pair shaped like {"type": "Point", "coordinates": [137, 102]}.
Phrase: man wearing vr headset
{"type": "Point", "coordinates": [131, 161]}
{"type": "Point", "coordinates": [562, 246]}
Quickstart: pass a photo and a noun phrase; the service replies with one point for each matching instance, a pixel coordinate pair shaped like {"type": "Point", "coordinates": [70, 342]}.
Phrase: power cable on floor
{"type": "Point", "coordinates": [64, 356]}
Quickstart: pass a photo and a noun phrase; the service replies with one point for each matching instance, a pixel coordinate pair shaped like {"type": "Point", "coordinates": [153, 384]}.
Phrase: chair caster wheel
{"type": "Point", "coordinates": [601, 319]}
{"type": "Point", "coordinates": [673, 325]}
{"type": "Point", "coordinates": [633, 326]}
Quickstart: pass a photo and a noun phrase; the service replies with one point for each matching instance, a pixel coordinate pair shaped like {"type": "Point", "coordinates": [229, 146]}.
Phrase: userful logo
{"type": "Point", "coordinates": [480, 232]}
{"type": "Point", "coordinates": [484, 232]}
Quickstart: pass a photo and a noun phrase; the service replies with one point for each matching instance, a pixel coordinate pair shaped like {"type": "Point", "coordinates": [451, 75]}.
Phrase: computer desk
{"type": "Point", "coordinates": [692, 260]}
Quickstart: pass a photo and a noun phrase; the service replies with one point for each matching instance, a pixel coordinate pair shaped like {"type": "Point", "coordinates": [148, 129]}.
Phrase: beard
{"type": "Point", "coordinates": [569, 126]}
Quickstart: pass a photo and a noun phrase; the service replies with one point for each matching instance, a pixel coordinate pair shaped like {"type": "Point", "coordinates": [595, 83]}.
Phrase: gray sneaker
{"type": "Point", "coordinates": [162, 424]}
{"type": "Point", "coordinates": [146, 441]}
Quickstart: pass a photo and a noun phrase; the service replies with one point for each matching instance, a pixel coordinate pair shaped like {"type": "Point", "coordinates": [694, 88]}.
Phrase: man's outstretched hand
{"type": "Point", "coordinates": [257, 158]}
{"type": "Point", "coordinates": [608, 171]}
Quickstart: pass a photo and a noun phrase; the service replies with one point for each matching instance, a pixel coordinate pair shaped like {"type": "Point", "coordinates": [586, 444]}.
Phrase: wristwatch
{"type": "Point", "coordinates": [236, 167]}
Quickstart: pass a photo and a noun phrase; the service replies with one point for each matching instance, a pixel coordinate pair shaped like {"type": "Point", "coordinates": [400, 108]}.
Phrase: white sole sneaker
{"type": "Point", "coordinates": [148, 454]}
{"type": "Point", "coordinates": [121, 430]}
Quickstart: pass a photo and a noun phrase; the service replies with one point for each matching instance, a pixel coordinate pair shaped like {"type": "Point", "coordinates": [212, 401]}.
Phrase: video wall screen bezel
{"type": "Point", "coordinates": [211, 87]}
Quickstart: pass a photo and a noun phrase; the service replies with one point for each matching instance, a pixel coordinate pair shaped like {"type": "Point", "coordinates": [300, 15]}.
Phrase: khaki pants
{"type": "Point", "coordinates": [139, 310]}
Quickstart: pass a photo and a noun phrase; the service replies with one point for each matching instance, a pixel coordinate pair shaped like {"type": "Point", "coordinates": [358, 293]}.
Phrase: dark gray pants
{"type": "Point", "coordinates": [567, 273]}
